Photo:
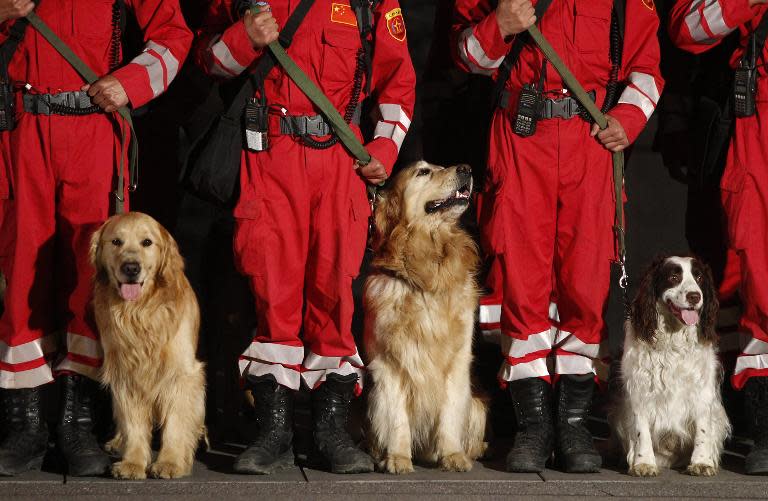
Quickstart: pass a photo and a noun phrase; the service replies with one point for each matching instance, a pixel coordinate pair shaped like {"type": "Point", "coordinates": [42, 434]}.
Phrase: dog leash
{"type": "Point", "coordinates": [618, 157]}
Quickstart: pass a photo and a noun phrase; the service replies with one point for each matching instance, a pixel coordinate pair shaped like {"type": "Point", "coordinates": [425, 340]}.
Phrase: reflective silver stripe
{"type": "Point", "coordinates": [171, 63]}
{"type": "Point", "coordinates": [394, 113]}
{"type": "Point", "coordinates": [490, 313]}
{"type": "Point", "coordinates": [574, 364]}
{"type": "Point", "coordinates": [275, 353]}
{"type": "Point", "coordinates": [713, 13]}
{"type": "Point", "coordinates": [465, 52]}
{"type": "Point", "coordinates": [636, 98]}
{"type": "Point", "coordinates": [85, 346]}
{"type": "Point", "coordinates": [31, 378]}
{"type": "Point", "coordinates": [750, 362]}
{"type": "Point", "coordinates": [518, 348]}
{"type": "Point", "coordinates": [534, 368]}
{"type": "Point", "coordinates": [313, 377]}
{"type": "Point", "coordinates": [694, 22]}
{"type": "Point", "coordinates": [647, 84]}
{"type": "Point", "coordinates": [283, 375]}
{"type": "Point", "coordinates": [154, 69]}
{"type": "Point", "coordinates": [27, 352]}
{"type": "Point", "coordinates": [224, 57]}
{"type": "Point", "coordinates": [315, 361]}
{"type": "Point", "coordinates": [570, 343]}
{"type": "Point", "coordinates": [756, 347]}
{"type": "Point", "coordinates": [391, 131]}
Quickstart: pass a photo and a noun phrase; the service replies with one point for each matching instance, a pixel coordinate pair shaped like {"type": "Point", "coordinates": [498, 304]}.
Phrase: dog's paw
{"type": "Point", "coordinates": [701, 470]}
{"type": "Point", "coordinates": [397, 465]}
{"type": "Point", "coordinates": [129, 471]}
{"type": "Point", "coordinates": [455, 462]}
{"type": "Point", "coordinates": [114, 446]}
{"type": "Point", "coordinates": [644, 470]}
{"type": "Point", "coordinates": [167, 470]}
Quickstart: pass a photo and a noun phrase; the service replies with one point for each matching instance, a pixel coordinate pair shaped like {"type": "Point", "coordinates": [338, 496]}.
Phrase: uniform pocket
{"type": "Point", "coordinates": [340, 46]}
{"type": "Point", "coordinates": [592, 27]}
{"type": "Point", "coordinates": [93, 19]}
{"type": "Point", "coordinates": [739, 196]}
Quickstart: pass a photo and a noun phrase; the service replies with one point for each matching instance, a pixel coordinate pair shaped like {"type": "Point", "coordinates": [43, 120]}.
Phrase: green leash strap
{"type": "Point", "coordinates": [600, 119]}
{"type": "Point", "coordinates": [90, 76]}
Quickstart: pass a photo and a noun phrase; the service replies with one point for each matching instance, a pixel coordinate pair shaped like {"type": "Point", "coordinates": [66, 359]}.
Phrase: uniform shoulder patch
{"type": "Point", "coordinates": [343, 14]}
{"type": "Point", "coordinates": [649, 4]}
{"type": "Point", "coordinates": [395, 24]}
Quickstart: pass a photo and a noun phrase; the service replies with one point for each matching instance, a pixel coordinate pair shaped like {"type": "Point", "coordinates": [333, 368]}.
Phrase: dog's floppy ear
{"type": "Point", "coordinates": [645, 318]}
{"type": "Point", "coordinates": [171, 263]}
{"type": "Point", "coordinates": [387, 215]}
{"type": "Point", "coordinates": [707, 332]}
{"type": "Point", "coordinates": [94, 253]}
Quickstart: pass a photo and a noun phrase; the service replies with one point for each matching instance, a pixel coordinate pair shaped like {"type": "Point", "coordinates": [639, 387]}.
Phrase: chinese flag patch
{"type": "Point", "coordinates": [343, 14]}
{"type": "Point", "coordinates": [396, 24]}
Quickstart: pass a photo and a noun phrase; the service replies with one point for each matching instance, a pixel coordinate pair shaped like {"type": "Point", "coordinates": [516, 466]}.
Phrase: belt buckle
{"type": "Point", "coordinates": [315, 126]}
{"type": "Point", "coordinates": [561, 108]}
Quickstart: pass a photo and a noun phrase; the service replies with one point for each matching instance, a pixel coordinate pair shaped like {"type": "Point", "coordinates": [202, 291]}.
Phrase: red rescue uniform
{"type": "Point", "coordinates": [57, 178]}
{"type": "Point", "coordinates": [698, 25]}
{"type": "Point", "coordinates": [302, 216]}
{"type": "Point", "coordinates": [547, 220]}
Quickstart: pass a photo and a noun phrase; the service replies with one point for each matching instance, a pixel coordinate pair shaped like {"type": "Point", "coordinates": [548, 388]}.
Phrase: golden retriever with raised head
{"type": "Point", "coordinates": [148, 318]}
{"type": "Point", "coordinates": [420, 302]}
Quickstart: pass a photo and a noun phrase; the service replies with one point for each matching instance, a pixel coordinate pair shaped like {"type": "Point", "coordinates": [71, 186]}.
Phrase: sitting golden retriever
{"type": "Point", "coordinates": [148, 318]}
{"type": "Point", "coordinates": [420, 302]}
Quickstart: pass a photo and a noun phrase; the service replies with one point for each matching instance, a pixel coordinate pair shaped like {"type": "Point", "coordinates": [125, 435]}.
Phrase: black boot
{"type": "Point", "coordinates": [575, 450]}
{"type": "Point", "coordinates": [330, 409]}
{"type": "Point", "coordinates": [272, 449]}
{"type": "Point", "coordinates": [25, 434]}
{"type": "Point", "coordinates": [75, 435]}
{"type": "Point", "coordinates": [534, 437]}
{"type": "Point", "coordinates": [756, 400]}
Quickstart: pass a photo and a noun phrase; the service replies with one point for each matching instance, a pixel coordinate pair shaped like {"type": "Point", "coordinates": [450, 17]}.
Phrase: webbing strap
{"type": "Point", "coordinates": [124, 113]}
{"type": "Point", "coordinates": [600, 119]}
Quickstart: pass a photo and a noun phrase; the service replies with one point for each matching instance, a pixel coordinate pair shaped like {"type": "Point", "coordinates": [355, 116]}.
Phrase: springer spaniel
{"type": "Point", "coordinates": [669, 412]}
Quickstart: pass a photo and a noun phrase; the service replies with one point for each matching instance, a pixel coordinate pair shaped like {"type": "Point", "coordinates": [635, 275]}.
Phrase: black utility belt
{"type": "Point", "coordinates": [63, 103]}
{"type": "Point", "coordinates": [565, 108]}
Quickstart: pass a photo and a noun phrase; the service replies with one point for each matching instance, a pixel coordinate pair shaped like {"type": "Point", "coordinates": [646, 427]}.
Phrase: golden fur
{"type": "Point", "coordinates": [420, 302]}
{"type": "Point", "coordinates": [149, 347]}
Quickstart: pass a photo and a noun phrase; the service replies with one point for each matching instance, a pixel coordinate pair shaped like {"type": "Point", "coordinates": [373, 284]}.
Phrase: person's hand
{"type": "Point", "coordinates": [515, 16]}
{"type": "Point", "coordinates": [107, 93]}
{"type": "Point", "coordinates": [373, 172]}
{"type": "Point", "coordinates": [613, 137]}
{"type": "Point", "coordinates": [261, 27]}
{"type": "Point", "coordinates": [14, 9]}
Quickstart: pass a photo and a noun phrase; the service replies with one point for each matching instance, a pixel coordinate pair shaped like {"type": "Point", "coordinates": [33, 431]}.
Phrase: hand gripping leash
{"type": "Point", "coordinates": [618, 158]}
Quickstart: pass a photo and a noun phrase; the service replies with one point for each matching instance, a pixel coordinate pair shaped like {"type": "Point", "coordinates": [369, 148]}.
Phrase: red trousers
{"type": "Point", "coordinates": [745, 199]}
{"type": "Point", "coordinates": [549, 227]}
{"type": "Point", "coordinates": [300, 235]}
{"type": "Point", "coordinates": [56, 183]}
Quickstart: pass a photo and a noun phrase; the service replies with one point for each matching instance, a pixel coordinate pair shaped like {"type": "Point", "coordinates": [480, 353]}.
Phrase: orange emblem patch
{"type": "Point", "coordinates": [343, 14]}
{"type": "Point", "coordinates": [649, 4]}
{"type": "Point", "coordinates": [396, 24]}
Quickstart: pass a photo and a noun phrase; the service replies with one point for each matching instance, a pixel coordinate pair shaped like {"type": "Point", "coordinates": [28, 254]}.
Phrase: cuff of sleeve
{"type": "Point", "coordinates": [239, 44]}
{"type": "Point", "coordinates": [631, 118]}
{"type": "Point", "coordinates": [135, 80]}
{"type": "Point", "coordinates": [738, 12]}
{"type": "Point", "coordinates": [384, 150]}
{"type": "Point", "coordinates": [488, 34]}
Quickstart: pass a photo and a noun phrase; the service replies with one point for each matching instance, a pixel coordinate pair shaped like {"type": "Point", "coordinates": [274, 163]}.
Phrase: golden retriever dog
{"type": "Point", "coordinates": [148, 319]}
{"type": "Point", "coordinates": [420, 302]}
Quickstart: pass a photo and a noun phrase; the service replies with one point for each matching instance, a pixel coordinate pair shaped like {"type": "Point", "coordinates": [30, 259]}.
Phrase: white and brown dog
{"type": "Point", "coordinates": [420, 302]}
{"type": "Point", "coordinates": [670, 412]}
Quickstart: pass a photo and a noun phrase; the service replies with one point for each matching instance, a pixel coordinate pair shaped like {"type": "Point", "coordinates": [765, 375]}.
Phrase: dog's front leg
{"type": "Point", "coordinates": [134, 423]}
{"type": "Point", "coordinates": [641, 458]}
{"type": "Point", "coordinates": [452, 423]}
{"type": "Point", "coordinates": [388, 415]}
{"type": "Point", "coordinates": [705, 446]}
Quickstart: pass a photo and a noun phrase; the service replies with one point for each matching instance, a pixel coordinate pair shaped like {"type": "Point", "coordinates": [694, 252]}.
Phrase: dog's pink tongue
{"type": "Point", "coordinates": [130, 292]}
{"type": "Point", "coordinates": [690, 317]}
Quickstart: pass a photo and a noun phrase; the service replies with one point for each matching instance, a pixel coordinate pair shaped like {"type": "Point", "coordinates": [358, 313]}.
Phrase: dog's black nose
{"type": "Point", "coordinates": [131, 269]}
{"type": "Point", "coordinates": [693, 298]}
{"type": "Point", "coordinates": [464, 169]}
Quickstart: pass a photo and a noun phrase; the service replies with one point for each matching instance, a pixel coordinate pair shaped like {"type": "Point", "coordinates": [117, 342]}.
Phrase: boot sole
{"type": "Point", "coordinates": [286, 460]}
{"type": "Point", "coordinates": [33, 464]}
{"type": "Point", "coordinates": [582, 464]}
{"type": "Point", "coordinates": [352, 468]}
{"type": "Point", "coordinates": [90, 472]}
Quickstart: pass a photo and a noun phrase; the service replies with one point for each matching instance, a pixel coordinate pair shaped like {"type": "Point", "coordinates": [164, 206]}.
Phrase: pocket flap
{"type": "Point", "coordinates": [346, 38]}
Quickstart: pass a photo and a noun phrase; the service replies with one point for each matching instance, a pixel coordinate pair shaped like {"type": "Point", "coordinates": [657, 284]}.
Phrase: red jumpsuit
{"type": "Point", "coordinates": [57, 176]}
{"type": "Point", "coordinates": [548, 221]}
{"type": "Point", "coordinates": [301, 219]}
{"type": "Point", "coordinates": [698, 25]}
